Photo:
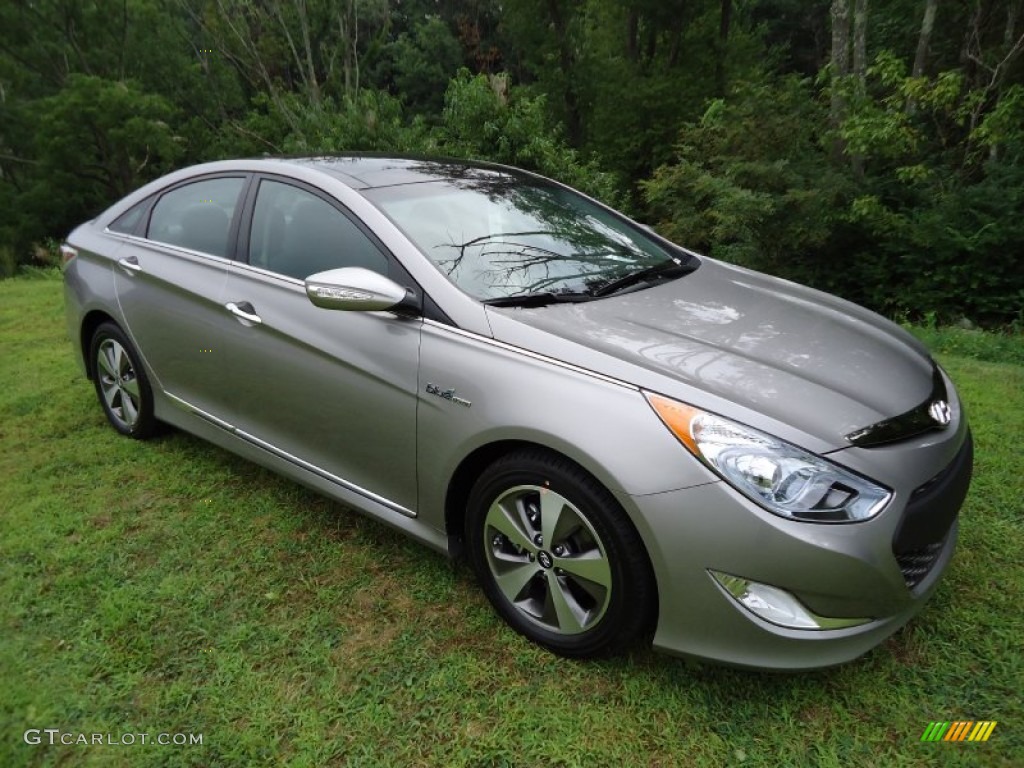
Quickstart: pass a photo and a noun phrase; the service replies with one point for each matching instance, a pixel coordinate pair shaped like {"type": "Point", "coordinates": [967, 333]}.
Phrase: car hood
{"type": "Point", "coordinates": [747, 345]}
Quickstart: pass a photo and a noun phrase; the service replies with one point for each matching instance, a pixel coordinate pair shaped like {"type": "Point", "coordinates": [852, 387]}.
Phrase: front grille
{"type": "Point", "coordinates": [916, 421]}
{"type": "Point", "coordinates": [930, 514]}
{"type": "Point", "coordinates": [916, 563]}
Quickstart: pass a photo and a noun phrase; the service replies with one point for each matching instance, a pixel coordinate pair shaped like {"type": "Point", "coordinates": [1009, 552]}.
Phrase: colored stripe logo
{"type": "Point", "coordinates": [960, 730]}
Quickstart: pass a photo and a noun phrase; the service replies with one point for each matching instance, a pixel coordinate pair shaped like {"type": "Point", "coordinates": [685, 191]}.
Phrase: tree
{"type": "Point", "coordinates": [423, 62]}
{"type": "Point", "coordinates": [96, 141]}
{"type": "Point", "coordinates": [860, 26]}
{"type": "Point", "coordinates": [724, 23]}
{"type": "Point", "coordinates": [931, 7]}
{"type": "Point", "coordinates": [840, 14]}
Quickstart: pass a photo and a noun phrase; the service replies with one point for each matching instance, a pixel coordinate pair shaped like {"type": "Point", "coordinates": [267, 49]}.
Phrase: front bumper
{"type": "Point", "coordinates": [840, 571]}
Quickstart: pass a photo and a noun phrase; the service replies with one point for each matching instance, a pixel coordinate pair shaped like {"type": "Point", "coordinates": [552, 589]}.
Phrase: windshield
{"type": "Point", "coordinates": [495, 235]}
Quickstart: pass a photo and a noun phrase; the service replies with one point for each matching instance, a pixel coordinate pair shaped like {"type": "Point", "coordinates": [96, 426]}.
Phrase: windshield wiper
{"type": "Point", "coordinates": [538, 299]}
{"type": "Point", "coordinates": [666, 270]}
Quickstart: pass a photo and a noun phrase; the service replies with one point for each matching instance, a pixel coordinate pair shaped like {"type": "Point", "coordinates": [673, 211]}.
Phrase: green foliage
{"type": "Point", "coordinates": [940, 196]}
{"type": "Point", "coordinates": [96, 140]}
{"type": "Point", "coordinates": [919, 216]}
{"type": "Point", "coordinates": [1001, 131]}
{"type": "Point", "coordinates": [478, 123]}
{"type": "Point", "coordinates": [423, 63]}
{"type": "Point", "coordinates": [750, 182]}
{"type": "Point", "coordinates": [708, 116]}
{"type": "Point", "coordinates": [369, 121]}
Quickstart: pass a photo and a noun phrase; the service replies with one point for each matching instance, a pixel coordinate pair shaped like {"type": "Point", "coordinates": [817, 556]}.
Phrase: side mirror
{"type": "Point", "coordinates": [354, 289]}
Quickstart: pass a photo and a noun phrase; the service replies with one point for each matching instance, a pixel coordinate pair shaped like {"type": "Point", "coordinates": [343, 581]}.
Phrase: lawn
{"type": "Point", "coordinates": [170, 587]}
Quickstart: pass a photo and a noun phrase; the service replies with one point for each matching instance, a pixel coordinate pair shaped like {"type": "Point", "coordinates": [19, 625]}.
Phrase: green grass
{"type": "Point", "coordinates": [168, 586]}
{"type": "Point", "coordinates": [991, 346]}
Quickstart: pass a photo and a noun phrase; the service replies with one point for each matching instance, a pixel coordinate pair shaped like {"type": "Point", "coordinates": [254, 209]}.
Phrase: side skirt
{"type": "Point", "coordinates": [196, 422]}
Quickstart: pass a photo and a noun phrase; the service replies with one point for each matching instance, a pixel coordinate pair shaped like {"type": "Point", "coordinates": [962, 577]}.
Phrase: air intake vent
{"type": "Point", "coordinates": [930, 514]}
{"type": "Point", "coordinates": [916, 563]}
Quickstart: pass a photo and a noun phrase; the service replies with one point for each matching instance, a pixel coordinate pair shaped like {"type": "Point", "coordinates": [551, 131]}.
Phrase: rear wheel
{"type": "Point", "coordinates": [557, 556]}
{"type": "Point", "coordinates": [121, 384]}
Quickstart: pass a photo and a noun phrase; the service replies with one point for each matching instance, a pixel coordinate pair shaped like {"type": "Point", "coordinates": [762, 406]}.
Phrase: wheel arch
{"type": "Point", "coordinates": [92, 320]}
{"type": "Point", "coordinates": [474, 463]}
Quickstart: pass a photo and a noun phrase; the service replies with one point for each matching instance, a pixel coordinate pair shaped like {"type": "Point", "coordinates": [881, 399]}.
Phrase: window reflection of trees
{"type": "Point", "coordinates": [573, 246]}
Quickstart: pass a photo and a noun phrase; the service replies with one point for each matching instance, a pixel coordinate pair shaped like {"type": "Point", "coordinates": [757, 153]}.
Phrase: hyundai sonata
{"type": "Point", "coordinates": [624, 438]}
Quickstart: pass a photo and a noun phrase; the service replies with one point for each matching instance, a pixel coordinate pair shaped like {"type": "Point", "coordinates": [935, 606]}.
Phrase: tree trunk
{"type": "Point", "coordinates": [632, 33]}
{"type": "Point", "coordinates": [308, 77]}
{"type": "Point", "coordinates": [860, 66]}
{"type": "Point", "coordinates": [348, 29]}
{"type": "Point", "coordinates": [840, 39]}
{"type": "Point", "coordinates": [355, 44]}
{"type": "Point", "coordinates": [925, 38]}
{"type": "Point", "coordinates": [840, 13]}
{"type": "Point", "coordinates": [1010, 33]}
{"type": "Point", "coordinates": [251, 64]}
{"type": "Point", "coordinates": [724, 22]}
{"type": "Point", "coordinates": [566, 60]}
{"type": "Point", "coordinates": [860, 24]}
{"type": "Point", "coordinates": [677, 41]}
{"type": "Point", "coordinates": [311, 80]}
{"type": "Point", "coordinates": [841, 36]}
{"type": "Point", "coordinates": [651, 47]}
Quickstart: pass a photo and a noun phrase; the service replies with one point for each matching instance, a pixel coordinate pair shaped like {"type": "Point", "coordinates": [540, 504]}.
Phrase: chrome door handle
{"type": "Point", "coordinates": [130, 264]}
{"type": "Point", "coordinates": [244, 311]}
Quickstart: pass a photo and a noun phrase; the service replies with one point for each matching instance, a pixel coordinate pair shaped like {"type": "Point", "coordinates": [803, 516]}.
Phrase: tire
{"type": "Point", "coordinates": [121, 384]}
{"type": "Point", "coordinates": [589, 591]}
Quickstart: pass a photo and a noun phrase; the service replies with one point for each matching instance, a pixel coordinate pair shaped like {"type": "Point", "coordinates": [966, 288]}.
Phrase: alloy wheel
{"type": "Point", "coordinates": [547, 559]}
{"type": "Point", "coordinates": [118, 382]}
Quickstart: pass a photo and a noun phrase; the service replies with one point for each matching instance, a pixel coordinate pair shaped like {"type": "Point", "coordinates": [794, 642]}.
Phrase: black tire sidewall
{"type": "Point", "coordinates": [629, 606]}
{"type": "Point", "coordinates": [146, 424]}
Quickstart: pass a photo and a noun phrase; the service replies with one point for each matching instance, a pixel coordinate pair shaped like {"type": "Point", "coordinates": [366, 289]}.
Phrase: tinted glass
{"type": "Point", "coordinates": [496, 235]}
{"type": "Point", "coordinates": [128, 221]}
{"type": "Point", "coordinates": [197, 216]}
{"type": "Point", "coordinates": [298, 234]}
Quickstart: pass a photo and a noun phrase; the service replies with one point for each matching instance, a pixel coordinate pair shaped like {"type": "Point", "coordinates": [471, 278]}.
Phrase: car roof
{"type": "Point", "coordinates": [369, 171]}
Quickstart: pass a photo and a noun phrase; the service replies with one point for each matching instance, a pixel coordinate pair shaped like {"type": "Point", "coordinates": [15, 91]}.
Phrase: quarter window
{"type": "Point", "coordinates": [197, 215]}
{"type": "Point", "coordinates": [296, 233]}
{"type": "Point", "coordinates": [128, 222]}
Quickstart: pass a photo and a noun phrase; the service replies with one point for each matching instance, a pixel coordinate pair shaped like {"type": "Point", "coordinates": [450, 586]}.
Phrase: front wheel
{"type": "Point", "coordinates": [557, 556]}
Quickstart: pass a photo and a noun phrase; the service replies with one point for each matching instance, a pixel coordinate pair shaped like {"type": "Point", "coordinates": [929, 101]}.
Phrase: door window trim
{"type": "Point", "coordinates": [396, 270]}
{"type": "Point", "coordinates": [245, 228]}
{"type": "Point", "coordinates": [141, 231]}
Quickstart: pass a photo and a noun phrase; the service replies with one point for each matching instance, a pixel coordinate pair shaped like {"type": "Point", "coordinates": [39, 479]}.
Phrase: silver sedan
{"type": "Point", "coordinates": [624, 438]}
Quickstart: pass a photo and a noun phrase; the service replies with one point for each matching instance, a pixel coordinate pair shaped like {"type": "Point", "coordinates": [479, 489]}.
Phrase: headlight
{"type": "Point", "coordinates": [779, 476]}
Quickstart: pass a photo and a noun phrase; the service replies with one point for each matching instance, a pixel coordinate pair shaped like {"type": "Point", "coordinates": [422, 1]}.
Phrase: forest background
{"type": "Point", "coordinates": [872, 149]}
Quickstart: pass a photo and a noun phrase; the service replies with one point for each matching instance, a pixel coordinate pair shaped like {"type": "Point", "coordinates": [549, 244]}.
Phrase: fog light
{"type": "Point", "coordinates": [777, 605]}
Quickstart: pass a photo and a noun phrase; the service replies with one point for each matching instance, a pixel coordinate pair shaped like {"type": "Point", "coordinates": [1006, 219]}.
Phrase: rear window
{"type": "Point", "coordinates": [197, 215]}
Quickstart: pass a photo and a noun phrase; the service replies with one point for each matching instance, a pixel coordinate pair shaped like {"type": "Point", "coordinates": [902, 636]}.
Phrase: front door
{"type": "Point", "coordinates": [333, 389]}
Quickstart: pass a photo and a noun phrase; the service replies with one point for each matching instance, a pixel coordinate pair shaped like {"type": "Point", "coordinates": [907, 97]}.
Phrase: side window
{"type": "Point", "coordinates": [297, 234]}
{"type": "Point", "coordinates": [197, 216]}
{"type": "Point", "coordinates": [128, 222]}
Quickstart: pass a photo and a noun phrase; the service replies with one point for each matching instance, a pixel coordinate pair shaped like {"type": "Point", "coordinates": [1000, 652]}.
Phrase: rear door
{"type": "Point", "coordinates": [331, 389]}
{"type": "Point", "coordinates": [170, 279]}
